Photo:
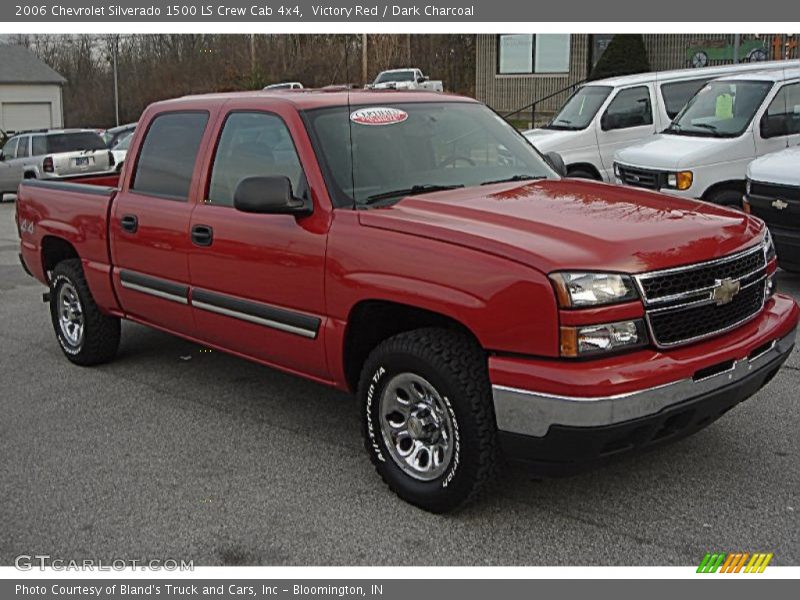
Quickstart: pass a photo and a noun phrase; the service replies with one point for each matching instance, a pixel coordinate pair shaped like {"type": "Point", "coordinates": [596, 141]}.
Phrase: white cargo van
{"type": "Point", "coordinates": [705, 151]}
{"type": "Point", "coordinates": [604, 116]}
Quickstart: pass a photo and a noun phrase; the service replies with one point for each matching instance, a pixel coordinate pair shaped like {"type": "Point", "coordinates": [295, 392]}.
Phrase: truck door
{"type": "Point", "coordinates": [150, 222]}
{"type": "Point", "coordinates": [627, 119]}
{"type": "Point", "coordinates": [257, 279]}
{"type": "Point", "coordinates": [779, 126]}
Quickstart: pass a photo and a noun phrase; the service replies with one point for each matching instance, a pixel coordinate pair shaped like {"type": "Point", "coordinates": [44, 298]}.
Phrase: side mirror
{"type": "Point", "coordinates": [608, 121]}
{"type": "Point", "coordinates": [556, 163]}
{"type": "Point", "coordinates": [268, 196]}
{"type": "Point", "coordinates": [421, 79]}
{"type": "Point", "coordinates": [774, 126]}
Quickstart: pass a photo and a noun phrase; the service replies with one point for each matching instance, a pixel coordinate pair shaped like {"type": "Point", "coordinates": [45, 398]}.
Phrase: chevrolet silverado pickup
{"type": "Point", "coordinates": [413, 248]}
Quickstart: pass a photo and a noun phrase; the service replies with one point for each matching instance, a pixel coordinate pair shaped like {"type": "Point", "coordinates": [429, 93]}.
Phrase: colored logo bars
{"type": "Point", "coordinates": [734, 562]}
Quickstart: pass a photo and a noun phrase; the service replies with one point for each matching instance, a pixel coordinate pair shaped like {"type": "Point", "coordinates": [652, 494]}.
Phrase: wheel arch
{"type": "Point", "coordinates": [737, 185]}
{"type": "Point", "coordinates": [55, 249]}
{"type": "Point", "coordinates": [584, 166]}
{"type": "Point", "coordinates": [372, 321]}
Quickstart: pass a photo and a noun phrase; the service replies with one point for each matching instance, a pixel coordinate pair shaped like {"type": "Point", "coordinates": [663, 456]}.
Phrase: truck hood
{"type": "Point", "coordinates": [573, 224]}
{"type": "Point", "coordinates": [778, 167]}
{"type": "Point", "coordinates": [670, 152]}
{"type": "Point", "coordinates": [553, 140]}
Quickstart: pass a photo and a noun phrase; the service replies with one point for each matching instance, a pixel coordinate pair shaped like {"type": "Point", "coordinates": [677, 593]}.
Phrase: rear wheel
{"type": "Point", "coordinates": [86, 335]}
{"type": "Point", "coordinates": [428, 418]}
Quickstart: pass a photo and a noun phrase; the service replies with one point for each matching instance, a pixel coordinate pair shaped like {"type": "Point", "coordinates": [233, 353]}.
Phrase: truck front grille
{"type": "Point", "coordinates": [644, 178]}
{"type": "Point", "coordinates": [687, 304]}
{"type": "Point", "coordinates": [771, 190]}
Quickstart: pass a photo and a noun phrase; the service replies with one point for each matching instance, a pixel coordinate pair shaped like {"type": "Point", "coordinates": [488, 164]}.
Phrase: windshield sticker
{"type": "Point", "coordinates": [378, 115]}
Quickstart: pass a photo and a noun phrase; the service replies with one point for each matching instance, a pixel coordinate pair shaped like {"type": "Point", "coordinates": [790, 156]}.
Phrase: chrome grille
{"type": "Point", "coordinates": [644, 178]}
{"type": "Point", "coordinates": [681, 305]}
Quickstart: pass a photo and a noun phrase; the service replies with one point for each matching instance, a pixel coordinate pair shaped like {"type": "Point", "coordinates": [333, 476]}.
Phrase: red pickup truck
{"type": "Point", "coordinates": [415, 249]}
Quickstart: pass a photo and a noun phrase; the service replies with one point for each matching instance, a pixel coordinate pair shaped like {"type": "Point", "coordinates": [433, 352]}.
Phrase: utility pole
{"type": "Point", "coordinates": [114, 53]}
{"type": "Point", "coordinates": [364, 58]}
{"type": "Point", "coordinates": [253, 55]}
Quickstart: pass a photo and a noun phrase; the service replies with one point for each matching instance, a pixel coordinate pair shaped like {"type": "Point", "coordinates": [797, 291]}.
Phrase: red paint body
{"type": "Point", "coordinates": [479, 256]}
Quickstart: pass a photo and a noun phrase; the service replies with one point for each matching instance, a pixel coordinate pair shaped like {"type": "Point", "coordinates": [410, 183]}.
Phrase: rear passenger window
{"type": "Point", "coordinates": [166, 160]}
{"type": "Point", "coordinates": [24, 147]}
{"type": "Point", "coordinates": [252, 144]}
{"type": "Point", "coordinates": [677, 94]}
{"type": "Point", "coordinates": [629, 108]}
{"type": "Point", "coordinates": [39, 145]}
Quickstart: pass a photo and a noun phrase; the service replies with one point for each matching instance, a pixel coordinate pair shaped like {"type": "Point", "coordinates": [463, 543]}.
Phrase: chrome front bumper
{"type": "Point", "coordinates": [532, 413]}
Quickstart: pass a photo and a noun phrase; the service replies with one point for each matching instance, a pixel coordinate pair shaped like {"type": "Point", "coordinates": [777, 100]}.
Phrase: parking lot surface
{"type": "Point", "coordinates": [175, 452]}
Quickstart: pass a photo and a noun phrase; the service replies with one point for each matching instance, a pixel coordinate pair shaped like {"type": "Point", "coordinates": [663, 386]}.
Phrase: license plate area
{"type": "Point", "coordinates": [82, 161]}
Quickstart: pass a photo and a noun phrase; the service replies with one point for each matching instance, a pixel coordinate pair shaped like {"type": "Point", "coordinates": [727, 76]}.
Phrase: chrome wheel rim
{"type": "Point", "coordinates": [417, 426]}
{"type": "Point", "coordinates": [70, 315]}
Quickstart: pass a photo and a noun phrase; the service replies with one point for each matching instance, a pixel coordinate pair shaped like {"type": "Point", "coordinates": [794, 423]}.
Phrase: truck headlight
{"type": "Point", "coordinates": [579, 290]}
{"type": "Point", "coordinates": [616, 169]}
{"type": "Point", "coordinates": [590, 340]}
{"type": "Point", "coordinates": [769, 246]}
{"type": "Point", "coordinates": [681, 180]}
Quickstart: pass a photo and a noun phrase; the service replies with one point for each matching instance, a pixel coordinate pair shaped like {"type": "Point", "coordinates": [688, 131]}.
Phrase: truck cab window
{"type": "Point", "coordinates": [10, 149]}
{"type": "Point", "coordinates": [629, 108]}
{"type": "Point", "coordinates": [166, 161]}
{"type": "Point", "coordinates": [252, 144]}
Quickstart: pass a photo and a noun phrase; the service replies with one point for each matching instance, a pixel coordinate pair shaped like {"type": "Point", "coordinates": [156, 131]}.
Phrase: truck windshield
{"type": "Point", "coordinates": [386, 152]}
{"type": "Point", "coordinates": [581, 108]}
{"type": "Point", "coordinates": [70, 142]}
{"type": "Point", "coordinates": [720, 109]}
{"type": "Point", "coordinates": [395, 76]}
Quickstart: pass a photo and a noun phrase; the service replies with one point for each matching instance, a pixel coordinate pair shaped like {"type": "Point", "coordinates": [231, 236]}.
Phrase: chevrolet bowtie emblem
{"type": "Point", "coordinates": [724, 291]}
{"type": "Point", "coordinates": [779, 204]}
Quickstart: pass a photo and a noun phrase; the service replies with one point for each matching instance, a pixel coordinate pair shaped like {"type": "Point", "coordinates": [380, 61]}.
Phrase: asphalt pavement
{"type": "Point", "coordinates": [175, 452]}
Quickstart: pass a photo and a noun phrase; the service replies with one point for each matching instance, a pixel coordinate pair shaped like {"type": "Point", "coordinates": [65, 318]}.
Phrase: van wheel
{"type": "Point", "coordinates": [729, 198]}
{"type": "Point", "coordinates": [428, 418]}
{"type": "Point", "coordinates": [582, 174]}
{"type": "Point", "coordinates": [86, 336]}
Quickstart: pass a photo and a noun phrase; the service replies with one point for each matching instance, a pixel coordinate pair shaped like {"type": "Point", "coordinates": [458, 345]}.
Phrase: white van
{"type": "Point", "coordinates": [705, 151]}
{"type": "Point", "coordinates": [604, 116]}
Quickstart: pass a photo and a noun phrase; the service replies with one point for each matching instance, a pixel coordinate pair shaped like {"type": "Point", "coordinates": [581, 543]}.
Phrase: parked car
{"type": "Point", "coordinates": [115, 134]}
{"type": "Point", "coordinates": [405, 79]}
{"type": "Point", "coordinates": [415, 249]}
{"type": "Point", "coordinates": [773, 194]}
{"type": "Point", "coordinates": [286, 85]}
{"type": "Point", "coordinates": [120, 150]}
{"type": "Point", "coordinates": [704, 153]}
{"type": "Point", "coordinates": [607, 115]}
{"type": "Point", "coordinates": [52, 154]}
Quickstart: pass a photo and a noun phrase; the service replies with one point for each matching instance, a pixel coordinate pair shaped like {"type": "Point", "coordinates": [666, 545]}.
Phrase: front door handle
{"type": "Point", "coordinates": [202, 235]}
{"type": "Point", "coordinates": [129, 223]}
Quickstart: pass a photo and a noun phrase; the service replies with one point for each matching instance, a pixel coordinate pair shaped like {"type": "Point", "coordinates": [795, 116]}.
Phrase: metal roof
{"type": "Point", "coordinates": [20, 65]}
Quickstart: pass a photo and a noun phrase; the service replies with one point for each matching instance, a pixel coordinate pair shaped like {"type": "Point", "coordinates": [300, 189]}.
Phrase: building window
{"type": "Point", "coordinates": [524, 54]}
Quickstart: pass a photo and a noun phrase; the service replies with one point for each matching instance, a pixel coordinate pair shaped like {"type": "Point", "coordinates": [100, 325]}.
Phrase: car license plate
{"type": "Point", "coordinates": [82, 161]}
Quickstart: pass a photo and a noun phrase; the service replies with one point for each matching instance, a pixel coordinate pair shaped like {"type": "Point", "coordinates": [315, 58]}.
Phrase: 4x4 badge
{"type": "Point", "coordinates": [779, 204]}
{"type": "Point", "coordinates": [725, 291]}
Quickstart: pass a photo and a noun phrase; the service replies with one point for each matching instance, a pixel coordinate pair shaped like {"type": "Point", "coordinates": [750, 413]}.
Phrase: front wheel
{"type": "Point", "coordinates": [86, 335]}
{"type": "Point", "coordinates": [428, 417]}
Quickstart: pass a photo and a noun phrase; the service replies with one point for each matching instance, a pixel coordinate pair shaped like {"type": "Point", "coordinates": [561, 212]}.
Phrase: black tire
{"type": "Point", "coordinates": [456, 367]}
{"type": "Point", "coordinates": [582, 174]}
{"type": "Point", "coordinates": [100, 336]}
{"type": "Point", "coordinates": [730, 198]}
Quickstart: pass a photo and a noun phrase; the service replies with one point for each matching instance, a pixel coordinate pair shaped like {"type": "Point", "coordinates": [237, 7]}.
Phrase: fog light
{"type": "Point", "coordinates": [590, 340]}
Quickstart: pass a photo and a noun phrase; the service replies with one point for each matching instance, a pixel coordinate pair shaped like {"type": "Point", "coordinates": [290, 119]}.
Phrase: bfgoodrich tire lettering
{"type": "Point", "coordinates": [459, 428]}
{"type": "Point", "coordinates": [86, 336]}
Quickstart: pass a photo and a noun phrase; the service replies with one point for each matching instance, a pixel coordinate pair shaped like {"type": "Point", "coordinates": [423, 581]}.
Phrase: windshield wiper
{"type": "Point", "coordinates": [411, 191]}
{"type": "Point", "coordinates": [514, 178]}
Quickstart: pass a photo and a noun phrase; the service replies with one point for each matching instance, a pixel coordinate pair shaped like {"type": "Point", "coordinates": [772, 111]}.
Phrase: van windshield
{"type": "Point", "coordinates": [720, 109]}
{"type": "Point", "coordinates": [581, 108]}
{"type": "Point", "coordinates": [380, 154]}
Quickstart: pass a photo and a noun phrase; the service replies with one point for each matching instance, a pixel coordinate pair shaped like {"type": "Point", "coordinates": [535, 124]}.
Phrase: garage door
{"type": "Point", "coordinates": [19, 116]}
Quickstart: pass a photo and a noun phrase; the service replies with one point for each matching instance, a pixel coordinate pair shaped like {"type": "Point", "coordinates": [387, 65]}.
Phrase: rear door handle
{"type": "Point", "coordinates": [202, 235]}
{"type": "Point", "coordinates": [129, 223]}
